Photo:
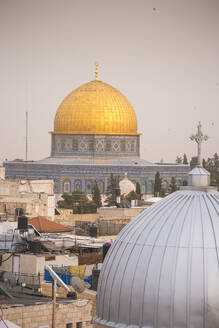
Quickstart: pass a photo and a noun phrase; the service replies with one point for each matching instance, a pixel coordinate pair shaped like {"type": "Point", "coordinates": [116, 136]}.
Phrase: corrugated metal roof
{"type": "Point", "coordinates": [199, 171]}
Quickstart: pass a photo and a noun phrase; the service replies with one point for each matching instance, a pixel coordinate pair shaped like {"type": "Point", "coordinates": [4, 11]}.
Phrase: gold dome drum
{"type": "Point", "coordinates": [95, 108]}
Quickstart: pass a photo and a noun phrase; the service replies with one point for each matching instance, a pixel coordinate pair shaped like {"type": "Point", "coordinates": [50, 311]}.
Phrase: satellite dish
{"type": "Point", "coordinates": [78, 284]}
{"type": "Point", "coordinates": [57, 279]}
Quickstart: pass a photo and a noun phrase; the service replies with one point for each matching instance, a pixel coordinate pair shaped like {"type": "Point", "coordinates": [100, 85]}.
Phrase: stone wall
{"type": "Point", "coordinates": [35, 316]}
{"type": "Point", "coordinates": [67, 218]}
{"type": "Point", "coordinates": [33, 204]}
{"type": "Point", "coordinates": [61, 292]}
{"type": "Point", "coordinates": [16, 186]}
{"type": "Point", "coordinates": [113, 213]}
{"type": "Point", "coordinates": [104, 213]}
{"type": "Point", "coordinates": [35, 197]}
{"type": "Point", "coordinates": [2, 172]}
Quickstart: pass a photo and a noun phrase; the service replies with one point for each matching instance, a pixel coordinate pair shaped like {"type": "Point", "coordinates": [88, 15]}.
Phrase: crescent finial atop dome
{"type": "Point", "coordinates": [96, 70]}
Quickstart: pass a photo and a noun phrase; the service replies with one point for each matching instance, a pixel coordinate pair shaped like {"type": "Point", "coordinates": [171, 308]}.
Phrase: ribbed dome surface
{"type": "Point", "coordinates": [163, 269]}
{"type": "Point", "coordinates": [126, 186]}
{"type": "Point", "coordinates": [95, 108]}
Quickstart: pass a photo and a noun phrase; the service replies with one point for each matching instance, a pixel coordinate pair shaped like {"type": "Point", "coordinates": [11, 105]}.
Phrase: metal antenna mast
{"type": "Point", "coordinates": [26, 135]}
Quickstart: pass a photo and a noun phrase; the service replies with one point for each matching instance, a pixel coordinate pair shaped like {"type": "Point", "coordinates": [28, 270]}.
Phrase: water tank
{"type": "Point", "coordinates": [19, 212]}
{"type": "Point", "coordinates": [95, 278]}
{"type": "Point", "coordinates": [22, 223]}
{"type": "Point", "coordinates": [35, 246]}
{"type": "Point", "coordinates": [106, 247]}
{"type": "Point", "coordinates": [93, 231]}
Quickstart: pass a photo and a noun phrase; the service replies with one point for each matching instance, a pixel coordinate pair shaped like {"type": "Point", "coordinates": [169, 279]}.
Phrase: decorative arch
{"type": "Point", "coordinates": [100, 184]}
{"type": "Point", "coordinates": [77, 185]}
{"type": "Point", "coordinates": [66, 186]}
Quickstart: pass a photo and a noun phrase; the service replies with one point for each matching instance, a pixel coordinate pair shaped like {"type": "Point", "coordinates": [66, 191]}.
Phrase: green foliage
{"type": "Point", "coordinates": [212, 165]}
{"type": "Point", "coordinates": [193, 162]}
{"type": "Point", "coordinates": [179, 160]}
{"type": "Point", "coordinates": [96, 196]}
{"type": "Point", "coordinates": [157, 184]}
{"type": "Point", "coordinates": [66, 202]}
{"type": "Point", "coordinates": [185, 160]}
{"type": "Point", "coordinates": [162, 193]}
{"type": "Point", "coordinates": [138, 189]}
{"type": "Point", "coordinates": [173, 185]}
{"type": "Point", "coordinates": [185, 183]}
{"type": "Point", "coordinates": [132, 195]}
{"type": "Point", "coordinates": [85, 207]}
{"type": "Point", "coordinates": [78, 202]}
{"type": "Point", "coordinates": [113, 191]}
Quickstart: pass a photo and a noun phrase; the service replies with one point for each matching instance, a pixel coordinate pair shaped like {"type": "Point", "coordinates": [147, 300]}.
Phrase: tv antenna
{"type": "Point", "coordinates": [26, 135]}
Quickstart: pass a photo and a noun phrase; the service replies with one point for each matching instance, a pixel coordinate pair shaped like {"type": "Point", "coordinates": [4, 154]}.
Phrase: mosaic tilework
{"type": "Point", "coordinates": [70, 145]}
{"type": "Point", "coordinates": [82, 177]}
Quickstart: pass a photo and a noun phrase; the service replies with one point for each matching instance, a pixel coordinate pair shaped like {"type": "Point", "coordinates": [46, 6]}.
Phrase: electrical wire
{"type": "Point", "coordinates": [7, 258]}
{"type": "Point", "coordinates": [1, 318]}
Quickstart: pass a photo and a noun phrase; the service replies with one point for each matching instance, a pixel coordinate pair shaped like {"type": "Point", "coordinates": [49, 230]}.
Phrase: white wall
{"type": "Point", "coordinates": [2, 172]}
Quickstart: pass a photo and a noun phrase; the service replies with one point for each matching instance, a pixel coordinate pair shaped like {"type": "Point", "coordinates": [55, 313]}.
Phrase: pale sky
{"type": "Point", "coordinates": [163, 55]}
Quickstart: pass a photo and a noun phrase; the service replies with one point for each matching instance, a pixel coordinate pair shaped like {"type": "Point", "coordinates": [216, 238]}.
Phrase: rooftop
{"type": "Point", "coordinates": [44, 225]}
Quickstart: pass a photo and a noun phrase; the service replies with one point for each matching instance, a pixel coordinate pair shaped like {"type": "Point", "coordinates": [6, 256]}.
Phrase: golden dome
{"type": "Point", "coordinates": [95, 108]}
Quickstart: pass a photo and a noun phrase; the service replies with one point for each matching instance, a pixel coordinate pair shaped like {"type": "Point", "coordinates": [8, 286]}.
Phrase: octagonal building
{"type": "Point", "coordinates": [95, 135]}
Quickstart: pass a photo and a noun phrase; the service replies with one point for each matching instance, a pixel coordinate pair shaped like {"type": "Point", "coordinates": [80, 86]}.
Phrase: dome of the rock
{"type": "Point", "coordinates": [163, 269]}
{"type": "Point", "coordinates": [95, 108]}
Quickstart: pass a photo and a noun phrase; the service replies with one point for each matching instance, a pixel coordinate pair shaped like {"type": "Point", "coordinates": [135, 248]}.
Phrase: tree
{"type": "Point", "coordinates": [138, 189]}
{"type": "Point", "coordinates": [157, 184]}
{"type": "Point", "coordinates": [78, 202]}
{"type": "Point", "coordinates": [66, 201]}
{"type": "Point", "coordinates": [185, 183]}
{"type": "Point", "coordinates": [113, 190]}
{"type": "Point", "coordinates": [179, 160]}
{"type": "Point", "coordinates": [132, 195]}
{"type": "Point", "coordinates": [96, 196]}
{"type": "Point", "coordinates": [185, 160]}
{"type": "Point", "coordinates": [173, 186]}
{"type": "Point", "coordinates": [193, 162]}
{"type": "Point", "coordinates": [212, 165]}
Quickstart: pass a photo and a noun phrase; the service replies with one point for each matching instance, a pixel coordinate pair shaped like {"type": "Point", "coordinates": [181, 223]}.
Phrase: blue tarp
{"type": "Point", "coordinates": [65, 277]}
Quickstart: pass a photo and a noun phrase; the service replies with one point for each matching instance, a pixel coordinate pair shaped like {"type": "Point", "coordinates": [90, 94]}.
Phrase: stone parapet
{"type": "Point", "coordinates": [34, 316]}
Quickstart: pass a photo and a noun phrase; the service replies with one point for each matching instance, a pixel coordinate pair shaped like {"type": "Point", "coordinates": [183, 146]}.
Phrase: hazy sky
{"type": "Point", "coordinates": [163, 55]}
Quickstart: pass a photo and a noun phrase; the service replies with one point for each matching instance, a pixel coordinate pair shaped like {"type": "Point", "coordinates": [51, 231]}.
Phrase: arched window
{"type": "Point", "coordinates": [100, 186]}
{"type": "Point", "coordinates": [55, 185]}
{"type": "Point", "coordinates": [144, 187]}
{"type": "Point", "coordinates": [67, 186]}
{"type": "Point", "coordinates": [78, 185]}
{"type": "Point", "coordinates": [88, 187]}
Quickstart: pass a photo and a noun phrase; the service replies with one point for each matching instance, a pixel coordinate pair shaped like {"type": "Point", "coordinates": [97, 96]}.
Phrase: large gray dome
{"type": "Point", "coordinates": [163, 269]}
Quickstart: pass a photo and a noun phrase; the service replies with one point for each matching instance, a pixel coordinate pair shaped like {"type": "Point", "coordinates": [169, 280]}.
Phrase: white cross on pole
{"type": "Point", "coordinates": [199, 138]}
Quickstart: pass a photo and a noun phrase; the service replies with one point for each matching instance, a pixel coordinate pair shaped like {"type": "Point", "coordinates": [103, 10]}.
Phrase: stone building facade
{"type": "Point", "coordinates": [35, 197]}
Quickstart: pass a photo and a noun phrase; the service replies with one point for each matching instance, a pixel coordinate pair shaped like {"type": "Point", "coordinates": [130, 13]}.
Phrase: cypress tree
{"type": "Point", "coordinates": [173, 186]}
{"type": "Point", "coordinates": [157, 184]}
{"type": "Point", "coordinates": [138, 189]}
{"type": "Point", "coordinates": [113, 190]}
{"type": "Point", "coordinates": [185, 160]}
{"type": "Point", "coordinates": [96, 197]}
